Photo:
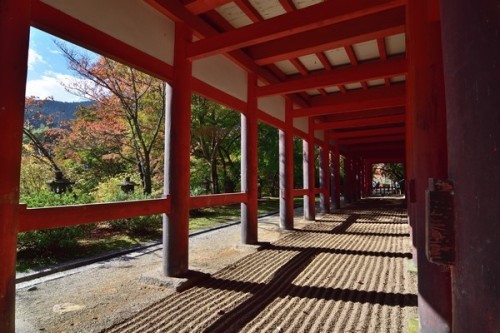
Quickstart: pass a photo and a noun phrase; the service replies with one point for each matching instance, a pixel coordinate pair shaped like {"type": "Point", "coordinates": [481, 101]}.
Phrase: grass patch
{"type": "Point", "coordinates": [99, 241]}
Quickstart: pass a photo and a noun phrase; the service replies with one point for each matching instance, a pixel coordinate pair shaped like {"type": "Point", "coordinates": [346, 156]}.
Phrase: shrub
{"type": "Point", "coordinates": [52, 240]}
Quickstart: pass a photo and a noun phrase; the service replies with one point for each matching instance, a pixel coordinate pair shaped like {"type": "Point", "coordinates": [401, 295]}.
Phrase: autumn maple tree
{"type": "Point", "coordinates": [132, 101]}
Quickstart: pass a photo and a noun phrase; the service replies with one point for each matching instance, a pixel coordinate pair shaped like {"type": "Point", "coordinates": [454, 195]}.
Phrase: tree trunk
{"type": "Point", "coordinates": [215, 176]}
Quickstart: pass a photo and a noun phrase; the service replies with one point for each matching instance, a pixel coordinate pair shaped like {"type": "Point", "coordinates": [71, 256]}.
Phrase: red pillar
{"type": "Point", "coordinates": [14, 43]}
{"type": "Point", "coordinates": [324, 178]}
{"type": "Point", "coordinates": [177, 160]}
{"type": "Point", "coordinates": [336, 176]}
{"type": "Point", "coordinates": [471, 52]}
{"type": "Point", "coordinates": [286, 170]}
{"type": "Point", "coordinates": [426, 102]}
{"type": "Point", "coordinates": [348, 179]}
{"type": "Point", "coordinates": [308, 173]}
{"type": "Point", "coordinates": [249, 165]}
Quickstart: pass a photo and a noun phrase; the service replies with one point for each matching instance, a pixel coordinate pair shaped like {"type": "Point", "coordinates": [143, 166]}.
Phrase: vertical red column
{"type": "Point", "coordinates": [14, 43]}
{"type": "Point", "coordinates": [348, 179]}
{"type": "Point", "coordinates": [249, 165]}
{"type": "Point", "coordinates": [308, 173]}
{"type": "Point", "coordinates": [471, 53]}
{"type": "Point", "coordinates": [177, 157]}
{"type": "Point", "coordinates": [426, 102]}
{"type": "Point", "coordinates": [324, 178]}
{"type": "Point", "coordinates": [336, 175]}
{"type": "Point", "coordinates": [286, 169]}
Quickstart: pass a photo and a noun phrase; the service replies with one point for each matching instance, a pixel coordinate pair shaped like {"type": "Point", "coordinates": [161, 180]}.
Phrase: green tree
{"type": "Point", "coordinates": [215, 135]}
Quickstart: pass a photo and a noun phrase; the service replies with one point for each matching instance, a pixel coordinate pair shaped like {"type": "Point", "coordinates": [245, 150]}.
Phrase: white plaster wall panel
{"type": "Point", "coordinates": [223, 74]}
{"type": "Point", "coordinates": [301, 123]}
{"type": "Point", "coordinates": [273, 105]}
{"type": "Point", "coordinates": [320, 135]}
{"type": "Point", "coordinates": [133, 22]}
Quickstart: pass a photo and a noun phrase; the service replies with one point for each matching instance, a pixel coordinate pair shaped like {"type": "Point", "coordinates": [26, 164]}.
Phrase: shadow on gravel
{"type": "Point", "coordinates": [280, 286]}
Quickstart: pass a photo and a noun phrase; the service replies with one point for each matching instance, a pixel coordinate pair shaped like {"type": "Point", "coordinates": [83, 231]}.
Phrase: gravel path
{"type": "Point", "coordinates": [346, 272]}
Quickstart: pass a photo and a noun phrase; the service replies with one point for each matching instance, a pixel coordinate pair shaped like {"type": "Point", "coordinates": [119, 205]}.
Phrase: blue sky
{"type": "Point", "coordinates": [47, 69]}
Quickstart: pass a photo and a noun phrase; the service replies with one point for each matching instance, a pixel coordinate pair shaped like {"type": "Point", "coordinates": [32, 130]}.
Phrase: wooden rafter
{"type": "Point", "coordinates": [201, 6]}
{"type": "Point", "coordinates": [373, 139]}
{"type": "Point", "coordinates": [357, 101]}
{"type": "Point", "coordinates": [288, 24]}
{"type": "Point", "coordinates": [371, 132]}
{"type": "Point", "coordinates": [178, 13]}
{"type": "Point", "coordinates": [367, 71]}
{"type": "Point", "coordinates": [250, 11]}
{"type": "Point", "coordinates": [354, 31]}
{"type": "Point", "coordinates": [373, 121]}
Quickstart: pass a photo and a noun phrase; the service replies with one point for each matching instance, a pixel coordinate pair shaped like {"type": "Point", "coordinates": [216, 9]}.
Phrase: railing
{"type": "Point", "coordinates": [32, 219]}
{"type": "Point", "coordinates": [64, 216]}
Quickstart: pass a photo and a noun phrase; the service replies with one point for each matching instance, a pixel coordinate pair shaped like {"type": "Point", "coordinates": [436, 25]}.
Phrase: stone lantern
{"type": "Point", "coordinates": [60, 184]}
{"type": "Point", "coordinates": [128, 186]}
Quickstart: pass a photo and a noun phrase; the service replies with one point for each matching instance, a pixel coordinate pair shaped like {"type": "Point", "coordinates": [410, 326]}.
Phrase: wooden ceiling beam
{"type": "Point", "coordinates": [373, 121]}
{"type": "Point", "coordinates": [247, 8]}
{"type": "Point", "coordinates": [376, 146]}
{"type": "Point", "coordinates": [294, 22]}
{"type": "Point", "coordinates": [201, 6]}
{"type": "Point", "coordinates": [339, 76]}
{"type": "Point", "coordinates": [362, 133]}
{"type": "Point", "coordinates": [363, 100]}
{"type": "Point", "coordinates": [372, 139]}
{"type": "Point", "coordinates": [178, 13]}
{"type": "Point", "coordinates": [356, 115]}
{"type": "Point", "coordinates": [287, 5]}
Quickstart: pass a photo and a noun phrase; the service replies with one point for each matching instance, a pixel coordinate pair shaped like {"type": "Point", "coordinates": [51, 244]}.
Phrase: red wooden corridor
{"type": "Point", "coordinates": [409, 81]}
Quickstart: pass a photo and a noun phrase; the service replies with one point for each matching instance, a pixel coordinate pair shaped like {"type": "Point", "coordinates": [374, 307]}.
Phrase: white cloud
{"type": "Point", "coordinates": [52, 85]}
{"type": "Point", "coordinates": [34, 58]}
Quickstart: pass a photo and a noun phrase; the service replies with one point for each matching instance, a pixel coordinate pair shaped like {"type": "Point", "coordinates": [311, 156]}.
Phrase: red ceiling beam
{"type": "Point", "coordinates": [247, 8]}
{"type": "Point", "coordinates": [373, 146]}
{"type": "Point", "coordinates": [358, 30]}
{"type": "Point", "coordinates": [178, 13]}
{"type": "Point", "coordinates": [53, 21]}
{"type": "Point", "coordinates": [297, 21]}
{"type": "Point", "coordinates": [363, 100]}
{"type": "Point", "coordinates": [362, 72]}
{"type": "Point", "coordinates": [373, 132]}
{"type": "Point", "coordinates": [372, 139]}
{"type": "Point", "coordinates": [362, 114]}
{"type": "Point", "coordinates": [374, 121]}
{"type": "Point", "coordinates": [201, 6]}
{"type": "Point", "coordinates": [287, 5]}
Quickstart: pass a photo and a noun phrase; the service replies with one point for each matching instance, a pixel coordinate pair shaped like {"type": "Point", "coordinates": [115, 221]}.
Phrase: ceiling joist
{"type": "Point", "coordinates": [372, 139]}
{"type": "Point", "coordinates": [362, 133]}
{"type": "Point", "coordinates": [363, 100]}
{"type": "Point", "coordinates": [373, 121]}
{"type": "Point", "coordinates": [339, 76]}
{"type": "Point", "coordinates": [294, 22]}
{"type": "Point", "coordinates": [374, 26]}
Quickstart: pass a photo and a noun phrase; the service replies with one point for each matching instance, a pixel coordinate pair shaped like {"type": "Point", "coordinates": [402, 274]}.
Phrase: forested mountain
{"type": "Point", "coordinates": [58, 112]}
